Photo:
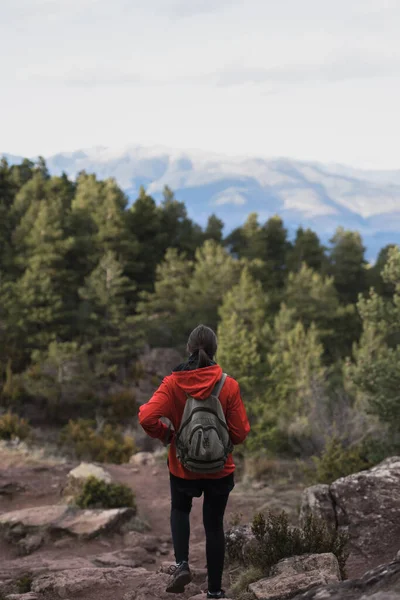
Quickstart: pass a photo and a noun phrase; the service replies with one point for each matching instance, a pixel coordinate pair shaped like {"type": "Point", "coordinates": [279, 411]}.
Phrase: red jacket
{"type": "Point", "coordinates": [169, 401]}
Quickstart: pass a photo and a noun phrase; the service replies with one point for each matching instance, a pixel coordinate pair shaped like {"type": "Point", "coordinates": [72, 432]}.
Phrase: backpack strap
{"type": "Point", "coordinates": [219, 386]}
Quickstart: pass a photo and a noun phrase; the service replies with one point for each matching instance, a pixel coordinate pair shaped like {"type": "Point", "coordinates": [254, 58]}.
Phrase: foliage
{"type": "Point", "coordinates": [107, 445]}
{"type": "Point", "coordinates": [277, 539]}
{"type": "Point", "coordinates": [100, 494]}
{"type": "Point", "coordinates": [374, 372]}
{"type": "Point", "coordinates": [13, 427]}
{"type": "Point", "coordinates": [245, 578]}
{"type": "Point", "coordinates": [24, 584]}
{"type": "Point", "coordinates": [337, 461]}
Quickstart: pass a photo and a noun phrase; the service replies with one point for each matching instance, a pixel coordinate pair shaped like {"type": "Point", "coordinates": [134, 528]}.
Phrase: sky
{"type": "Point", "coordinates": [306, 79]}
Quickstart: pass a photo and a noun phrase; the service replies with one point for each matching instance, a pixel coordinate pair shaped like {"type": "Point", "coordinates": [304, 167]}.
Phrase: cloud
{"type": "Point", "coordinates": [231, 195]}
{"type": "Point", "coordinates": [348, 68]}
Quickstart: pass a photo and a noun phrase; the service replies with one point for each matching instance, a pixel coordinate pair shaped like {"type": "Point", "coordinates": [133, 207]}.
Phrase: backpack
{"type": "Point", "coordinates": [203, 442]}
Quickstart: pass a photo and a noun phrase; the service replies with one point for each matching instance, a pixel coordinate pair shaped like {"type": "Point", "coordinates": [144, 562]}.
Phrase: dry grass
{"type": "Point", "coordinates": [22, 455]}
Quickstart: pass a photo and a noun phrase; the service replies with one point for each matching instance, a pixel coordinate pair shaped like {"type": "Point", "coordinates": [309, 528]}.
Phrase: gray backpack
{"type": "Point", "coordinates": [203, 442]}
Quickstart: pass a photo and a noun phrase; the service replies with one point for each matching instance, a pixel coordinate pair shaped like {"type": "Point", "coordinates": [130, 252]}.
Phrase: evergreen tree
{"type": "Point", "coordinates": [214, 229]}
{"type": "Point", "coordinates": [177, 230]}
{"type": "Point", "coordinates": [215, 273]}
{"type": "Point", "coordinates": [144, 225]}
{"type": "Point", "coordinates": [375, 370]}
{"type": "Point", "coordinates": [164, 314]}
{"type": "Point", "coordinates": [42, 291]}
{"type": "Point", "coordinates": [104, 313]}
{"type": "Point", "coordinates": [296, 378]}
{"type": "Point", "coordinates": [375, 274]}
{"type": "Point", "coordinates": [244, 334]}
{"type": "Point", "coordinates": [7, 191]}
{"type": "Point", "coordinates": [348, 265]}
{"type": "Point", "coordinates": [307, 249]}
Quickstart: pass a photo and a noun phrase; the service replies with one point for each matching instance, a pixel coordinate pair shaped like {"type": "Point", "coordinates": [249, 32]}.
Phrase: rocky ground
{"type": "Point", "coordinates": [49, 550]}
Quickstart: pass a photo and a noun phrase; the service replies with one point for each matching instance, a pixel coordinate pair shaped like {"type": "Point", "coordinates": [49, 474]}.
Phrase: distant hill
{"type": "Point", "coordinates": [303, 193]}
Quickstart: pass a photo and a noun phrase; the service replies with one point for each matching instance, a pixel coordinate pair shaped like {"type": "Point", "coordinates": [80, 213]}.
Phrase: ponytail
{"type": "Point", "coordinates": [204, 359]}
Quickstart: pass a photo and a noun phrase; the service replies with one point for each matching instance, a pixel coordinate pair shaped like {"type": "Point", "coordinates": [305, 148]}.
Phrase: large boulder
{"type": "Point", "coordinates": [28, 527]}
{"type": "Point", "coordinates": [366, 505]}
{"type": "Point", "coordinates": [70, 583]}
{"type": "Point", "coordinates": [381, 583]}
{"type": "Point", "coordinates": [298, 573]}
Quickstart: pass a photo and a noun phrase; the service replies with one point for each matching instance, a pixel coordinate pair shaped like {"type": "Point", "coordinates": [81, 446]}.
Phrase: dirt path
{"type": "Point", "coordinates": [24, 487]}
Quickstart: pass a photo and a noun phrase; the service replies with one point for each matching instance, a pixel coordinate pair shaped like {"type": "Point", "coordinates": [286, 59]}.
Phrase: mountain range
{"type": "Point", "coordinates": [310, 194]}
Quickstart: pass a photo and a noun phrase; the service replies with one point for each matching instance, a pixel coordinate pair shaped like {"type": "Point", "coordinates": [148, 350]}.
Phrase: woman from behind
{"type": "Point", "coordinates": [208, 417]}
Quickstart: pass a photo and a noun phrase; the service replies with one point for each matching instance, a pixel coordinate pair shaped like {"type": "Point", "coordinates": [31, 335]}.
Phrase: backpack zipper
{"type": "Point", "coordinates": [209, 410]}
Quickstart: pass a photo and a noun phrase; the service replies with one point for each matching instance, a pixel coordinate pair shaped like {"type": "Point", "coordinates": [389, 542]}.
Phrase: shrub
{"type": "Point", "coordinates": [277, 539]}
{"type": "Point", "coordinates": [24, 584]}
{"type": "Point", "coordinates": [100, 494]}
{"type": "Point", "coordinates": [108, 445]}
{"type": "Point", "coordinates": [245, 578]}
{"type": "Point", "coordinates": [121, 406]}
{"type": "Point", "coordinates": [338, 461]}
{"type": "Point", "coordinates": [13, 427]}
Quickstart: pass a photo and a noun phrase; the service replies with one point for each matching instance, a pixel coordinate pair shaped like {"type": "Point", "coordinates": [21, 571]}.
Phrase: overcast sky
{"type": "Point", "coordinates": [308, 79]}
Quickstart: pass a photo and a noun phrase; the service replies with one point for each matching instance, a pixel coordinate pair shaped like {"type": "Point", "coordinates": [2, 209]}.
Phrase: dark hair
{"type": "Point", "coordinates": [204, 341]}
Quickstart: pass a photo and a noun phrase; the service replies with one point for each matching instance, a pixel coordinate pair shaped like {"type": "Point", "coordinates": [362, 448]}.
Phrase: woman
{"type": "Point", "coordinates": [197, 378]}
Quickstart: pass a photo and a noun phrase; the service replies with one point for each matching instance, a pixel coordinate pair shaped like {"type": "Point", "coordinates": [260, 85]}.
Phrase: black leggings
{"type": "Point", "coordinates": [216, 494]}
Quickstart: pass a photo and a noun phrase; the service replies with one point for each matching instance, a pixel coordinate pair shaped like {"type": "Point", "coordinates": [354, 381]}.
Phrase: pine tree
{"type": "Point", "coordinates": [215, 273]}
{"type": "Point", "coordinates": [244, 333]}
{"type": "Point", "coordinates": [104, 313]}
{"type": "Point", "coordinates": [307, 249]}
{"type": "Point", "coordinates": [296, 378]}
{"type": "Point", "coordinates": [348, 265]}
{"type": "Point", "coordinates": [313, 298]}
{"type": "Point", "coordinates": [164, 314]}
{"type": "Point", "coordinates": [144, 225]}
{"type": "Point", "coordinates": [375, 370]}
{"type": "Point", "coordinates": [7, 191]}
{"type": "Point", "coordinates": [214, 229]}
{"type": "Point", "coordinates": [43, 291]}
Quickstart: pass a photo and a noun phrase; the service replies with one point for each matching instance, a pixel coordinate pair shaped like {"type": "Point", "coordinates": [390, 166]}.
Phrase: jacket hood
{"type": "Point", "coordinates": [198, 383]}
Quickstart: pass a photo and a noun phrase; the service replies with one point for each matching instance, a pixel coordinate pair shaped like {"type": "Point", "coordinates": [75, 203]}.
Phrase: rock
{"type": "Point", "coordinates": [141, 459]}
{"type": "Point", "coordinates": [90, 523]}
{"type": "Point", "coordinates": [30, 543]}
{"type": "Point", "coordinates": [132, 557]}
{"type": "Point", "coordinates": [136, 525]}
{"type": "Point", "coordinates": [61, 584]}
{"type": "Point", "coordinates": [28, 596]}
{"type": "Point", "coordinates": [298, 573]}
{"type": "Point", "coordinates": [367, 506]}
{"type": "Point", "coordinates": [382, 583]}
{"type": "Point", "coordinates": [78, 476]}
{"type": "Point", "coordinates": [20, 524]}
{"type": "Point", "coordinates": [153, 588]}
{"type": "Point", "coordinates": [317, 501]}
{"type": "Point", "coordinates": [29, 526]}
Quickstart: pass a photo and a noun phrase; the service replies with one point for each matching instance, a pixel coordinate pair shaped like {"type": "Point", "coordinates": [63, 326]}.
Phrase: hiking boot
{"type": "Point", "coordinates": [180, 578]}
{"type": "Point", "coordinates": [220, 594]}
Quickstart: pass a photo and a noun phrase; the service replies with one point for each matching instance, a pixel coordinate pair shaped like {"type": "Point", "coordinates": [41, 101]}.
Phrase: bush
{"type": "Point", "coordinates": [24, 584]}
{"type": "Point", "coordinates": [277, 539]}
{"type": "Point", "coordinates": [13, 427]}
{"type": "Point", "coordinates": [338, 461]}
{"type": "Point", "coordinates": [244, 579]}
{"type": "Point", "coordinates": [108, 445]}
{"type": "Point", "coordinates": [100, 494]}
{"type": "Point", "coordinates": [121, 406]}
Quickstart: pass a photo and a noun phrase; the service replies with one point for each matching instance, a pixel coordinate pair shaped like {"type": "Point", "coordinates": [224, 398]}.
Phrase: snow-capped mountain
{"type": "Point", "coordinates": [303, 193]}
